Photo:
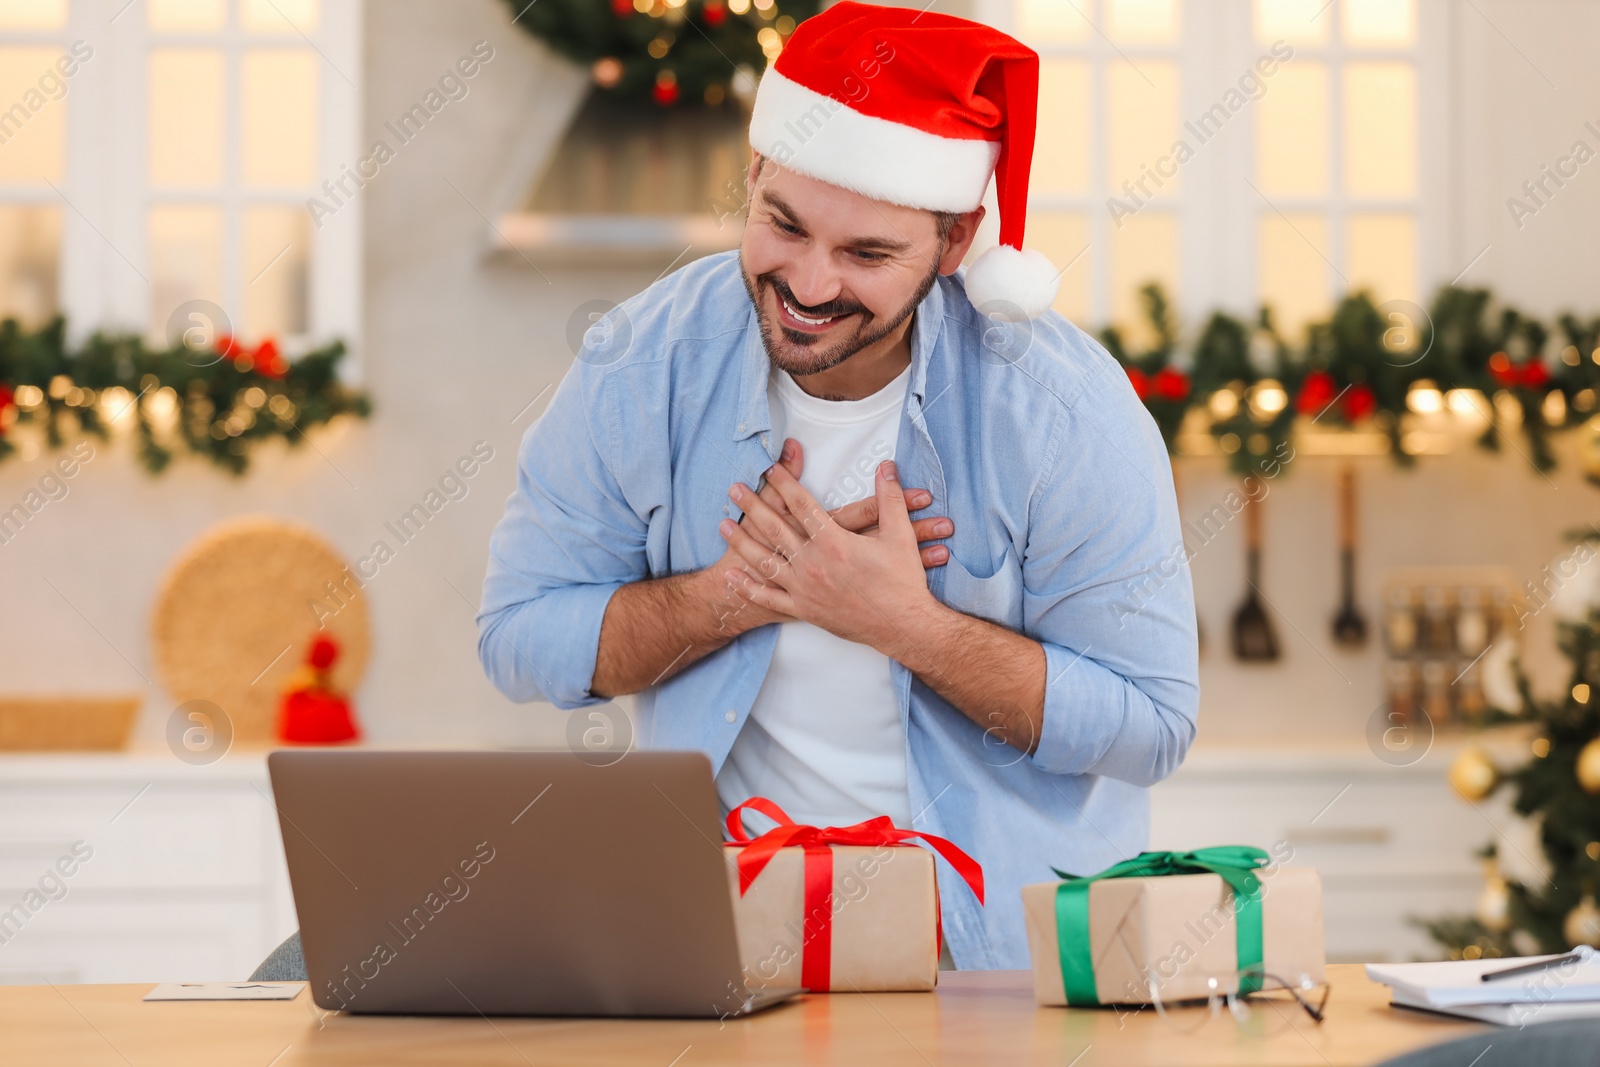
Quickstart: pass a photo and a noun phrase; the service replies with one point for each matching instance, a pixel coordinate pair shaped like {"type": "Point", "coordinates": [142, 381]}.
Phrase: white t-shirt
{"type": "Point", "coordinates": [823, 739]}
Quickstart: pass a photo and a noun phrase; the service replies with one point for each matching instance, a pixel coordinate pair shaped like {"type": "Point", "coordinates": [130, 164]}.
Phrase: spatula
{"type": "Point", "coordinates": [1349, 626]}
{"type": "Point", "coordinates": [1253, 638]}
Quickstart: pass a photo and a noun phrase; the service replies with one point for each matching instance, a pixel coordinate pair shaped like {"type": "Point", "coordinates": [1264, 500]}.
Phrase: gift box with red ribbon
{"type": "Point", "coordinates": [839, 908]}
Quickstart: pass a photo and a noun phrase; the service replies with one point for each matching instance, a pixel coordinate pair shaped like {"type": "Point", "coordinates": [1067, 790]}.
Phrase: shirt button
{"type": "Point", "coordinates": [741, 427]}
{"type": "Point", "coordinates": [731, 716]}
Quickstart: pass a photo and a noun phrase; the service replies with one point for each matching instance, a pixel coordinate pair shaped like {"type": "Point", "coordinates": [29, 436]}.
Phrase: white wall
{"type": "Point", "coordinates": [456, 346]}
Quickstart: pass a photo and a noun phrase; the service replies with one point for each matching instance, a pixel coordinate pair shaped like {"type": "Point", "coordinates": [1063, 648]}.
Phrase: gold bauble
{"type": "Point", "coordinates": [1583, 923]}
{"type": "Point", "coordinates": [1494, 902]}
{"type": "Point", "coordinates": [1589, 449]}
{"type": "Point", "coordinates": [1589, 767]}
{"type": "Point", "coordinates": [1473, 776]}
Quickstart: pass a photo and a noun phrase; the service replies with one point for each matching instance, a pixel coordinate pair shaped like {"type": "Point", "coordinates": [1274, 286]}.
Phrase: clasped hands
{"type": "Point", "coordinates": [857, 571]}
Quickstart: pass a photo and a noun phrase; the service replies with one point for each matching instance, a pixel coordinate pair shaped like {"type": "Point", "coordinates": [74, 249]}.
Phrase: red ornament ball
{"type": "Point", "coordinates": [1316, 393]}
{"type": "Point", "coordinates": [1140, 382]}
{"type": "Point", "coordinates": [665, 92]}
{"type": "Point", "coordinates": [622, 8]}
{"type": "Point", "coordinates": [269, 361]}
{"type": "Point", "coordinates": [1359, 402]}
{"type": "Point", "coordinates": [715, 14]}
{"type": "Point", "coordinates": [1170, 383]}
{"type": "Point", "coordinates": [1508, 375]}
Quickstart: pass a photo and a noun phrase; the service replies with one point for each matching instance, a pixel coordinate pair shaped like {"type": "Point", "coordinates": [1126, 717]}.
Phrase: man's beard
{"type": "Point", "coordinates": [867, 331]}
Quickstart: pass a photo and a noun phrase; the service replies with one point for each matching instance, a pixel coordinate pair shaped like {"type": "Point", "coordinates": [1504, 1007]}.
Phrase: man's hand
{"type": "Point", "coordinates": [811, 567]}
{"type": "Point", "coordinates": [860, 516]}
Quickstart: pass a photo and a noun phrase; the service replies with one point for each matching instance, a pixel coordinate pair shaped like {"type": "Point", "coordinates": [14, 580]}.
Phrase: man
{"type": "Point", "coordinates": [715, 512]}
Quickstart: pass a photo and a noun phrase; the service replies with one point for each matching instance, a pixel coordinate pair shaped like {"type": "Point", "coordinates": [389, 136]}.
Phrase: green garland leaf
{"type": "Point", "coordinates": [218, 406]}
{"type": "Point", "coordinates": [1356, 369]}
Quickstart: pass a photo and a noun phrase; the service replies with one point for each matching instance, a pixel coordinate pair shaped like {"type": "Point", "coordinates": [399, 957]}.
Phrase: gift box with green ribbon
{"type": "Point", "coordinates": [1174, 926]}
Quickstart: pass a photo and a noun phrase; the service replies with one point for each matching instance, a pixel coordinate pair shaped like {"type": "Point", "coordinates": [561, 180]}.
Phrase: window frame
{"type": "Point", "coordinates": [59, 40]}
{"type": "Point", "coordinates": [105, 194]}
{"type": "Point", "coordinates": [1217, 215]}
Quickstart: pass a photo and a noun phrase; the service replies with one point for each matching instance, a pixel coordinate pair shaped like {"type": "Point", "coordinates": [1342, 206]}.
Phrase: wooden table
{"type": "Point", "coordinates": [975, 1017]}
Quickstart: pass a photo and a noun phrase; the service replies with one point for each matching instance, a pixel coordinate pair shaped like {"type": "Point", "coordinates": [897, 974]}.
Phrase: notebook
{"type": "Point", "coordinates": [1456, 987]}
{"type": "Point", "coordinates": [1512, 1014]}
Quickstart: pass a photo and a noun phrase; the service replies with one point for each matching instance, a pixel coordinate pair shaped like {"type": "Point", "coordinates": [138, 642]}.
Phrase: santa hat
{"type": "Point", "coordinates": [916, 108]}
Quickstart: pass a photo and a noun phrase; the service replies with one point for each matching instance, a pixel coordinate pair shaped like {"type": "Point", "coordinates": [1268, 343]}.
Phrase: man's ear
{"type": "Point", "coordinates": [962, 232]}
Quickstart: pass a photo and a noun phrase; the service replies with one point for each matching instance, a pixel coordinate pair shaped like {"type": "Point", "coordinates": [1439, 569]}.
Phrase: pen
{"type": "Point", "coordinates": [1530, 968]}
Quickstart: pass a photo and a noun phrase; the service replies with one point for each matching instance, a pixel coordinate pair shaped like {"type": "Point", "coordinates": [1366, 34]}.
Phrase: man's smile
{"type": "Point", "coordinates": [828, 320]}
{"type": "Point", "coordinates": [792, 317]}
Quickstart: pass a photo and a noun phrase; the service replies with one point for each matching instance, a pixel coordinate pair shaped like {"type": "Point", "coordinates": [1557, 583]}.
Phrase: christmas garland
{"type": "Point", "coordinates": [1368, 367]}
{"type": "Point", "coordinates": [668, 51]}
{"type": "Point", "coordinates": [218, 401]}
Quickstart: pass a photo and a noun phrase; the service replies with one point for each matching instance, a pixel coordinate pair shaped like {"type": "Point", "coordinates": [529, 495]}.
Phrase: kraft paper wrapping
{"type": "Point", "coordinates": [1177, 930]}
{"type": "Point", "coordinates": [885, 919]}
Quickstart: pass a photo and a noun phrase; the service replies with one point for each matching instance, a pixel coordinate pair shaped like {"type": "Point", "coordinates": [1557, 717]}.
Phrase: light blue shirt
{"type": "Point", "coordinates": [1030, 439]}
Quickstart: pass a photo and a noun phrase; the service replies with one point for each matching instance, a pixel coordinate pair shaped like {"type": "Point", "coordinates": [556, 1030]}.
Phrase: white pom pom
{"type": "Point", "coordinates": [1013, 283]}
{"type": "Point", "coordinates": [1498, 675]}
{"type": "Point", "coordinates": [1578, 590]}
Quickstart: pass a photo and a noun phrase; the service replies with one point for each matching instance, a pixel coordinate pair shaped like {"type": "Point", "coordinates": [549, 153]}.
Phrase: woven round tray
{"type": "Point", "coordinates": [239, 609]}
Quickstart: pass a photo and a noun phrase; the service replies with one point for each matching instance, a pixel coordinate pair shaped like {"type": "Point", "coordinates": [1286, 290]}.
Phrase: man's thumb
{"type": "Point", "coordinates": [792, 457]}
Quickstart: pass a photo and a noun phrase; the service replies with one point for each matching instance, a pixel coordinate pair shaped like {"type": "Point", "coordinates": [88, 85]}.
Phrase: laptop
{"type": "Point", "coordinates": [512, 883]}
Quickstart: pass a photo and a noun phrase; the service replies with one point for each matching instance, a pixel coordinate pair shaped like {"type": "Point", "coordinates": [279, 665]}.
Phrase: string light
{"type": "Point", "coordinates": [1424, 398]}
{"type": "Point", "coordinates": [1268, 398]}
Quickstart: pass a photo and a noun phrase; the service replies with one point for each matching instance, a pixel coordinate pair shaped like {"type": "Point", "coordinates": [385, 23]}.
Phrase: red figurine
{"type": "Point", "coordinates": [313, 712]}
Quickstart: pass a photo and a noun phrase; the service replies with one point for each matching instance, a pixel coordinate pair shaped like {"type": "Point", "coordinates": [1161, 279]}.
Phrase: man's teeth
{"type": "Point", "coordinates": [802, 318]}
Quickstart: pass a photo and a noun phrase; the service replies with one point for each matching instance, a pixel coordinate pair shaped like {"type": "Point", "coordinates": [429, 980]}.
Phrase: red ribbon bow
{"type": "Point", "coordinates": [816, 961]}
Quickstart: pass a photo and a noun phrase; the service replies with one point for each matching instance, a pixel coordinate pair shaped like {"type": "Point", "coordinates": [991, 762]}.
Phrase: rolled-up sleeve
{"type": "Point", "coordinates": [568, 540]}
{"type": "Point", "coordinates": [1107, 593]}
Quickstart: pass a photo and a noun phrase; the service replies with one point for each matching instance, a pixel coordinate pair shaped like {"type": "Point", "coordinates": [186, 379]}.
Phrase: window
{"type": "Point", "coordinates": [1336, 156]}
{"type": "Point", "coordinates": [1109, 78]}
{"type": "Point", "coordinates": [172, 173]}
{"type": "Point", "coordinates": [33, 153]}
{"type": "Point", "coordinates": [1236, 151]}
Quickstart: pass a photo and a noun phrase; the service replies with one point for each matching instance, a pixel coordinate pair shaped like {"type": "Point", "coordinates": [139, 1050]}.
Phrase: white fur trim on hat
{"type": "Point", "coordinates": [1013, 283]}
{"type": "Point", "coordinates": [830, 141]}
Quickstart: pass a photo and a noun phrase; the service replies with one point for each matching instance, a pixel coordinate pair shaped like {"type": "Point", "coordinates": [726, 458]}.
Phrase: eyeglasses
{"type": "Point", "coordinates": [1271, 1005]}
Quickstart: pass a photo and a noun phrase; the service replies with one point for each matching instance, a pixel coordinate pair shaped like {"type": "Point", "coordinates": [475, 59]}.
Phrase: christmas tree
{"type": "Point", "coordinates": [1559, 784]}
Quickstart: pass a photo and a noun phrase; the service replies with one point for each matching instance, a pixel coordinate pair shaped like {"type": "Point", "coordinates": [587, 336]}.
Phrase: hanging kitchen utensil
{"type": "Point", "coordinates": [1253, 638]}
{"type": "Point", "coordinates": [1349, 626]}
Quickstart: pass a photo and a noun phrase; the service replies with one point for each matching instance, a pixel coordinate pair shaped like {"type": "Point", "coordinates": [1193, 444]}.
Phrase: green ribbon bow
{"type": "Point", "coordinates": [1236, 864]}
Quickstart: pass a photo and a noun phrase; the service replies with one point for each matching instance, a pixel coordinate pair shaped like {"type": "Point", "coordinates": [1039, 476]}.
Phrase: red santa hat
{"type": "Point", "coordinates": [915, 108]}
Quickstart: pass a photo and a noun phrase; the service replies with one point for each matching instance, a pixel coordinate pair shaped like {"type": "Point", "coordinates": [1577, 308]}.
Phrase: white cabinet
{"type": "Point", "coordinates": [184, 877]}
{"type": "Point", "coordinates": [1391, 842]}
{"type": "Point", "coordinates": [138, 868]}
